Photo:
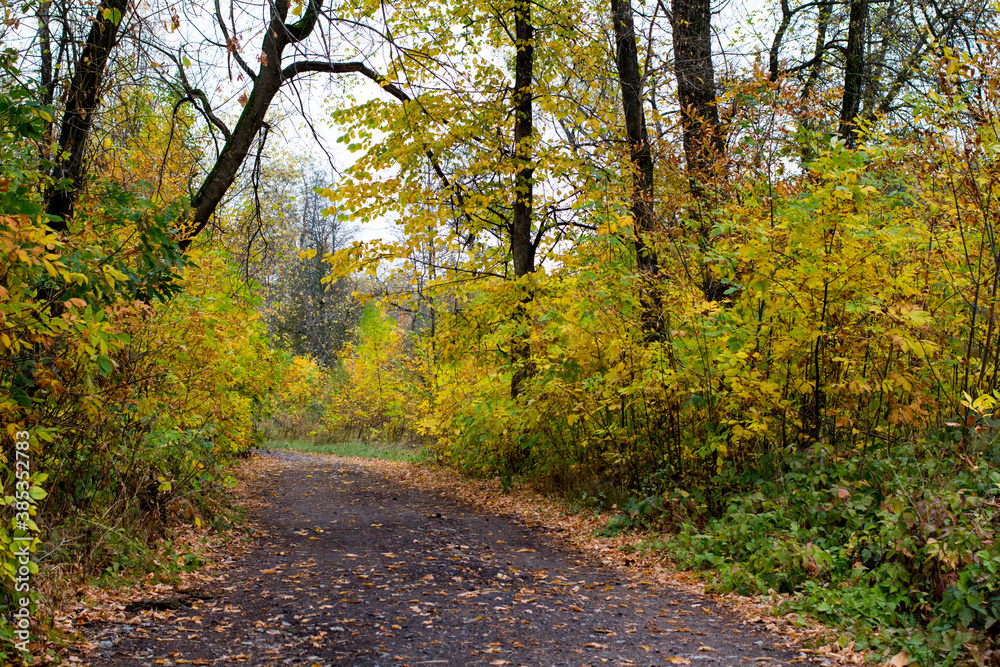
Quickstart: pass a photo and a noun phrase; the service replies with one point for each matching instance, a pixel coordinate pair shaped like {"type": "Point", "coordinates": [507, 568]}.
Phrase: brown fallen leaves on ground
{"type": "Point", "coordinates": [524, 504]}
{"type": "Point", "coordinates": [619, 552]}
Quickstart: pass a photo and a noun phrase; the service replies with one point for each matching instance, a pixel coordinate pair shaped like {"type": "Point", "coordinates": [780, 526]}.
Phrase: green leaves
{"type": "Point", "coordinates": [113, 15]}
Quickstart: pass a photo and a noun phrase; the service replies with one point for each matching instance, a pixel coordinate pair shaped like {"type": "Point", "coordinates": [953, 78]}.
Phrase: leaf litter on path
{"type": "Point", "coordinates": [374, 563]}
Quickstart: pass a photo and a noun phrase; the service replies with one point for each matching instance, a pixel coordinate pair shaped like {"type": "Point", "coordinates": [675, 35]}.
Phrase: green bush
{"type": "Point", "coordinates": [897, 549]}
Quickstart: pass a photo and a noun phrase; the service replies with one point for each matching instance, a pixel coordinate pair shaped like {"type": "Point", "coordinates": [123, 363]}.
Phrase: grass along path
{"type": "Point", "coordinates": [351, 449]}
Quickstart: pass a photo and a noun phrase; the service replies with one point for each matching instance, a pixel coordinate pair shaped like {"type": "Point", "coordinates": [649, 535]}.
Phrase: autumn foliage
{"type": "Point", "coordinates": [845, 376]}
{"type": "Point", "coordinates": [760, 318]}
{"type": "Point", "coordinates": [137, 371]}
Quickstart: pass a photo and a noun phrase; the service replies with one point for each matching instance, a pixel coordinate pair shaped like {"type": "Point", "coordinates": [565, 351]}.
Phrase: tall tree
{"type": "Point", "coordinates": [307, 314]}
{"type": "Point", "coordinates": [696, 92]}
{"type": "Point", "coordinates": [871, 51]}
{"type": "Point", "coordinates": [83, 100]}
{"type": "Point", "coordinates": [91, 59]}
{"type": "Point", "coordinates": [641, 158]}
{"type": "Point", "coordinates": [854, 70]}
{"type": "Point", "coordinates": [704, 148]}
{"type": "Point", "coordinates": [522, 243]}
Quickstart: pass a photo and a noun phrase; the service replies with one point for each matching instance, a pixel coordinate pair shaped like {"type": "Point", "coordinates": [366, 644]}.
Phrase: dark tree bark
{"type": "Point", "coordinates": [641, 157]}
{"type": "Point", "coordinates": [692, 37]}
{"type": "Point", "coordinates": [779, 35]}
{"type": "Point", "coordinates": [45, 76]}
{"type": "Point", "coordinates": [874, 50]}
{"type": "Point", "coordinates": [267, 82]}
{"type": "Point", "coordinates": [703, 144]}
{"type": "Point", "coordinates": [816, 66]}
{"type": "Point", "coordinates": [854, 71]}
{"type": "Point", "coordinates": [82, 101]}
{"type": "Point", "coordinates": [522, 246]}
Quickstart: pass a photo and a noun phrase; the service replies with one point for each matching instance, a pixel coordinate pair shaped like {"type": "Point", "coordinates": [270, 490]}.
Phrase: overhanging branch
{"type": "Point", "coordinates": [307, 66]}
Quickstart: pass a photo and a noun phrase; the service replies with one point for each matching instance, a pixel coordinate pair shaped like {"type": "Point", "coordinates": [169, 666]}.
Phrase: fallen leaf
{"type": "Point", "coordinates": [901, 659]}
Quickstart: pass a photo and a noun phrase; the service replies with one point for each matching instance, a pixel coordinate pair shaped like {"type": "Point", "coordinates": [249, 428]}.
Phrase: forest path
{"type": "Point", "coordinates": [354, 567]}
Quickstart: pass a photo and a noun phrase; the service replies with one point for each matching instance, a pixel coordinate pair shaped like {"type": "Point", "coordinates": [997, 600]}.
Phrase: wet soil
{"type": "Point", "coordinates": [354, 568]}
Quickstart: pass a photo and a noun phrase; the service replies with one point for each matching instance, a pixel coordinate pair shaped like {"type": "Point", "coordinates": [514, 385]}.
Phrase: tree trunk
{"type": "Point", "coordinates": [695, 73]}
{"type": "Point", "coordinates": [522, 247]}
{"type": "Point", "coordinates": [268, 81]}
{"type": "Point", "coordinates": [82, 101]}
{"type": "Point", "coordinates": [806, 123]}
{"type": "Point", "coordinates": [703, 146]}
{"type": "Point", "coordinates": [45, 76]}
{"type": "Point", "coordinates": [641, 157]}
{"type": "Point", "coordinates": [854, 71]}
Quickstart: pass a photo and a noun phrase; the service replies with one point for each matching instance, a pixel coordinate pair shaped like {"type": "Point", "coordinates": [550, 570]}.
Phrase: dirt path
{"type": "Point", "coordinates": [354, 568]}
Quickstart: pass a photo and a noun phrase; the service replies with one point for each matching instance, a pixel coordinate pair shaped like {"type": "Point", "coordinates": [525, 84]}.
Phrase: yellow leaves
{"type": "Point", "coordinates": [815, 282]}
{"type": "Point", "coordinates": [845, 296]}
{"type": "Point", "coordinates": [111, 275]}
{"type": "Point", "coordinates": [366, 257]}
{"type": "Point", "coordinates": [44, 115]}
{"type": "Point", "coordinates": [911, 345]}
{"type": "Point", "coordinates": [73, 277]}
{"type": "Point", "coordinates": [909, 313]}
{"type": "Point", "coordinates": [613, 225]}
{"type": "Point", "coordinates": [984, 404]}
{"type": "Point", "coordinates": [50, 268]}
